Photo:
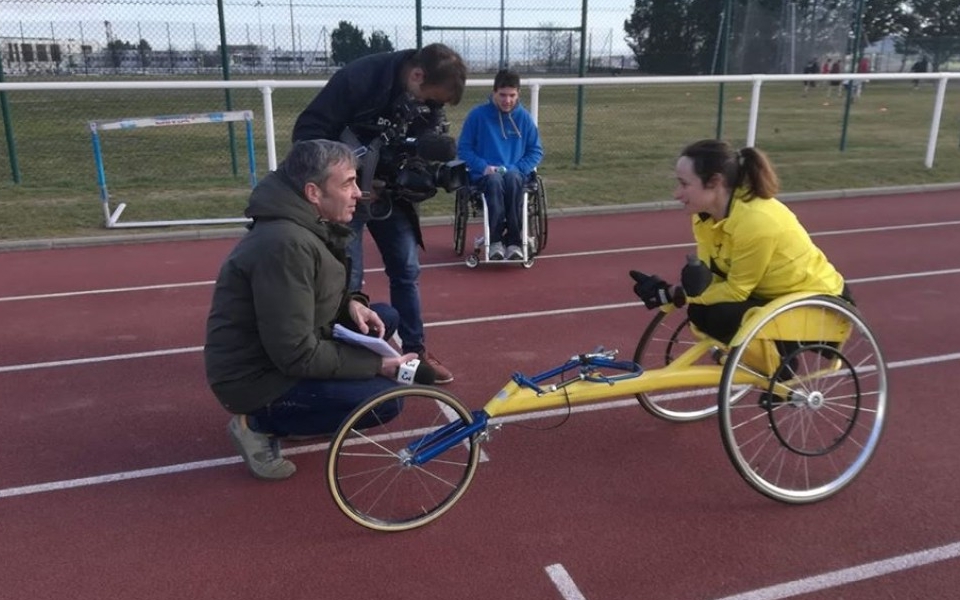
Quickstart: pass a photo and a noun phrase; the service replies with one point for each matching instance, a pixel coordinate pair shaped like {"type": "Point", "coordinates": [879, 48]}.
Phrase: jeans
{"type": "Point", "coordinates": [397, 241]}
{"type": "Point", "coordinates": [504, 196]}
{"type": "Point", "coordinates": [318, 406]}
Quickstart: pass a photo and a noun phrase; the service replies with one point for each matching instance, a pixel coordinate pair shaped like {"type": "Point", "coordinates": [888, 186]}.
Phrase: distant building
{"type": "Point", "coordinates": [26, 56]}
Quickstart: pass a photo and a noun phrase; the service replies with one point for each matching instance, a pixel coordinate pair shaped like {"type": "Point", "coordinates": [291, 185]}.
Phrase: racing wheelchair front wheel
{"type": "Point", "coordinates": [667, 337]}
{"type": "Point", "coordinates": [370, 469]}
{"type": "Point", "coordinates": [801, 419]}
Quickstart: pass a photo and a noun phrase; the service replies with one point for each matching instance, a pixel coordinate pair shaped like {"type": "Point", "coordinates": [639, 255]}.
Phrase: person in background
{"type": "Point", "coordinates": [270, 356]}
{"type": "Point", "coordinates": [751, 247]}
{"type": "Point", "coordinates": [835, 84]}
{"type": "Point", "coordinates": [921, 66]}
{"type": "Point", "coordinates": [811, 68]}
{"type": "Point", "coordinates": [374, 95]}
{"type": "Point", "coordinates": [863, 66]}
{"type": "Point", "coordinates": [501, 145]}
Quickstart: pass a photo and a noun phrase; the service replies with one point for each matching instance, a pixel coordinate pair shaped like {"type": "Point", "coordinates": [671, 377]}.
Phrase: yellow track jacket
{"type": "Point", "coordinates": [763, 251]}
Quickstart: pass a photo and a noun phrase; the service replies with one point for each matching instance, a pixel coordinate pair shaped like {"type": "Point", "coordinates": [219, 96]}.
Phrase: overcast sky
{"type": "Point", "coordinates": [312, 20]}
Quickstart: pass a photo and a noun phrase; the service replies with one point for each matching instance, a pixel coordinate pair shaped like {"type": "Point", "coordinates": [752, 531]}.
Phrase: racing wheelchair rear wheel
{"type": "Point", "coordinates": [801, 419]}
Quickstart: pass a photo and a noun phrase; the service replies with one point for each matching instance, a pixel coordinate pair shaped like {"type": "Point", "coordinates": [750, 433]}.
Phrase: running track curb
{"type": "Point", "coordinates": [207, 234]}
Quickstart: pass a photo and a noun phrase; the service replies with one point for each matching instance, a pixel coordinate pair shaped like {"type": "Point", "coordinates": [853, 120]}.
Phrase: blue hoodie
{"type": "Point", "coordinates": [492, 137]}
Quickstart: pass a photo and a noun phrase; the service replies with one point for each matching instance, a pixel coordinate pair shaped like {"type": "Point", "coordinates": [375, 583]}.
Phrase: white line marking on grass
{"type": "Point", "coordinates": [565, 585]}
{"type": "Point", "coordinates": [853, 574]}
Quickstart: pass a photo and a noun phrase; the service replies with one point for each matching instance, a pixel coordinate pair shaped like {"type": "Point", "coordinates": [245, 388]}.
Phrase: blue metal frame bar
{"type": "Point", "coordinates": [433, 444]}
{"type": "Point", "coordinates": [584, 363]}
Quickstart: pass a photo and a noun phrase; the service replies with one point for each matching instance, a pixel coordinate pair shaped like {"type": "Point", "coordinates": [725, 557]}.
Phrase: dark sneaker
{"type": "Point", "coordinates": [259, 452]}
{"type": "Point", "coordinates": [443, 374]}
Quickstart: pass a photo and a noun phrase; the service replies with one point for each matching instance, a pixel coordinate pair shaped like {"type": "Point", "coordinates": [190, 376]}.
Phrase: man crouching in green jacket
{"type": "Point", "coordinates": [270, 356]}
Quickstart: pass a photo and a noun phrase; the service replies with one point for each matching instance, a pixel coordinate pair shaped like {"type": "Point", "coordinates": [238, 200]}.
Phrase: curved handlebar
{"type": "Point", "coordinates": [587, 366]}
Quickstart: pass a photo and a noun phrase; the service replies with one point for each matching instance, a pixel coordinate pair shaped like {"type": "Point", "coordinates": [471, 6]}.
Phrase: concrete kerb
{"type": "Point", "coordinates": [555, 212]}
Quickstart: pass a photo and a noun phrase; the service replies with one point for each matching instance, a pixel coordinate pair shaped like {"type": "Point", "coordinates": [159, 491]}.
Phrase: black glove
{"type": "Point", "coordinates": [656, 292]}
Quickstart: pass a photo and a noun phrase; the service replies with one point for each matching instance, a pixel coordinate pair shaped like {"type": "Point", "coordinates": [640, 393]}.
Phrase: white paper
{"type": "Point", "coordinates": [353, 338]}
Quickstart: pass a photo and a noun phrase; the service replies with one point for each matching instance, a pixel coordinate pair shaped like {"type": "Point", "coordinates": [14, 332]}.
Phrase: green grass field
{"type": "Point", "coordinates": [630, 138]}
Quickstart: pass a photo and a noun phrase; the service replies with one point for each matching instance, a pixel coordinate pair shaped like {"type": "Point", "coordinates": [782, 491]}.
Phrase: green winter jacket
{"type": "Point", "coordinates": [277, 297]}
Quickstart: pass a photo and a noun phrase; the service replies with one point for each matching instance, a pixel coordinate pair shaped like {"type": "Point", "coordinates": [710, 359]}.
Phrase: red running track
{"type": "Point", "coordinates": [629, 506]}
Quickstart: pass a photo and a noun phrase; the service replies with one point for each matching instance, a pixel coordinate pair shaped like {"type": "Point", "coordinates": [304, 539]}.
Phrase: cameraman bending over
{"type": "Point", "coordinates": [501, 145]}
{"type": "Point", "coordinates": [362, 103]}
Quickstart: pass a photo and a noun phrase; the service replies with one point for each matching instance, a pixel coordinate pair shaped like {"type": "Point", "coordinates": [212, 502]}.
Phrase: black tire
{"type": "Point", "coordinates": [802, 431]}
{"type": "Point", "coordinates": [370, 469]}
{"type": "Point", "coordinates": [537, 213]}
{"type": "Point", "coordinates": [460, 217]}
{"type": "Point", "coordinates": [666, 337]}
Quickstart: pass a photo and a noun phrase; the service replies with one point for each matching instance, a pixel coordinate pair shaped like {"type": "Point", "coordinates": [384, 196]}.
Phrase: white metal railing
{"type": "Point", "coordinates": [266, 87]}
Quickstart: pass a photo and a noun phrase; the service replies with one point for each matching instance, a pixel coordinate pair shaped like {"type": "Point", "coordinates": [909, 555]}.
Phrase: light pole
{"type": "Point", "coordinates": [259, 6]}
{"type": "Point", "coordinates": [293, 33]}
{"type": "Point", "coordinates": [501, 35]}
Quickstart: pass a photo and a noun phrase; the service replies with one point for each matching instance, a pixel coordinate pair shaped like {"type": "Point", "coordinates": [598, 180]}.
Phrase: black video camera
{"type": "Point", "coordinates": [413, 155]}
{"type": "Point", "coordinates": [414, 169]}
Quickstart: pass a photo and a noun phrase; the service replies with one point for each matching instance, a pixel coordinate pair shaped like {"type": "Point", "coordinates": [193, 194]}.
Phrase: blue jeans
{"type": "Point", "coordinates": [397, 241]}
{"type": "Point", "coordinates": [504, 196]}
{"type": "Point", "coordinates": [318, 406]}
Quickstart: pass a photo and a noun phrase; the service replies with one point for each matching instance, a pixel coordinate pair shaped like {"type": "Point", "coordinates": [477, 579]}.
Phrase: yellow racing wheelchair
{"type": "Point", "coordinates": [801, 395]}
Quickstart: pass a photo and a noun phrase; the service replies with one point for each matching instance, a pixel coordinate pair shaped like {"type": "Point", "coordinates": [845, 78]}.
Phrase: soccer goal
{"type": "Point", "coordinates": [112, 216]}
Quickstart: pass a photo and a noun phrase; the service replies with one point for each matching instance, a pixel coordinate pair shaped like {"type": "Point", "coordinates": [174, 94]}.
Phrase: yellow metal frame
{"type": "Point", "coordinates": [761, 359]}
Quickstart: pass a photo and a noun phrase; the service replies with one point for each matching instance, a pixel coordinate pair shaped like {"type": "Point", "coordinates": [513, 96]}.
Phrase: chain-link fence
{"type": "Point", "coordinates": [289, 37]}
{"type": "Point", "coordinates": [622, 137]}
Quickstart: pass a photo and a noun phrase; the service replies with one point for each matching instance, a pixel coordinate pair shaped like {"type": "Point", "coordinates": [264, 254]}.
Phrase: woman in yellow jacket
{"type": "Point", "coordinates": [751, 247]}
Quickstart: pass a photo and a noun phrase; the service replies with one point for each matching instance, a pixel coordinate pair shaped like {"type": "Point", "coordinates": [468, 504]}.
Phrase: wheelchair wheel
{"type": "Point", "coordinates": [666, 337]}
{"type": "Point", "coordinates": [803, 430]}
{"type": "Point", "coordinates": [537, 215]}
{"type": "Point", "coordinates": [370, 479]}
{"type": "Point", "coordinates": [460, 217]}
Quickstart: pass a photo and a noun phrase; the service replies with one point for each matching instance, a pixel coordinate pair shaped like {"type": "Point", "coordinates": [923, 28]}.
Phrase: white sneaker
{"type": "Point", "coordinates": [514, 253]}
{"type": "Point", "coordinates": [496, 251]}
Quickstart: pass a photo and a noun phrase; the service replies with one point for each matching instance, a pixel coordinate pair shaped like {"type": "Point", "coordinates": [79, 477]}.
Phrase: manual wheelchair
{"type": "Point", "coordinates": [801, 393]}
{"type": "Point", "coordinates": [470, 203]}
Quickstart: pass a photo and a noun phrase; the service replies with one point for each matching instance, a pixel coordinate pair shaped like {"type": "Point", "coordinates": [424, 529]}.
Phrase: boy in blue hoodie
{"type": "Point", "coordinates": [501, 145]}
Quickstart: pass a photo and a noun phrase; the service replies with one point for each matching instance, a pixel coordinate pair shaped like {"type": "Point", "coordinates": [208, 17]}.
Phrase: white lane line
{"type": "Point", "coordinates": [565, 585]}
{"type": "Point", "coordinates": [67, 484]}
{"type": "Point", "coordinates": [625, 250]}
{"type": "Point", "coordinates": [454, 322]}
{"type": "Point", "coordinates": [219, 462]}
{"type": "Point", "coordinates": [853, 574]}
{"type": "Point", "coordinates": [191, 349]}
{"type": "Point", "coordinates": [98, 359]}
{"type": "Point", "coordinates": [141, 288]}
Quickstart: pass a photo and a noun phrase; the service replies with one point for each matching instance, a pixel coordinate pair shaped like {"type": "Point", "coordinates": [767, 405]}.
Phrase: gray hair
{"type": "Point", "coordinates": [311, 161]}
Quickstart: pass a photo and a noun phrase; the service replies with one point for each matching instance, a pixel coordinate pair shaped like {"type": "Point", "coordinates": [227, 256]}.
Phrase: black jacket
{"type": "Point", "coordinates": [364, 96]}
